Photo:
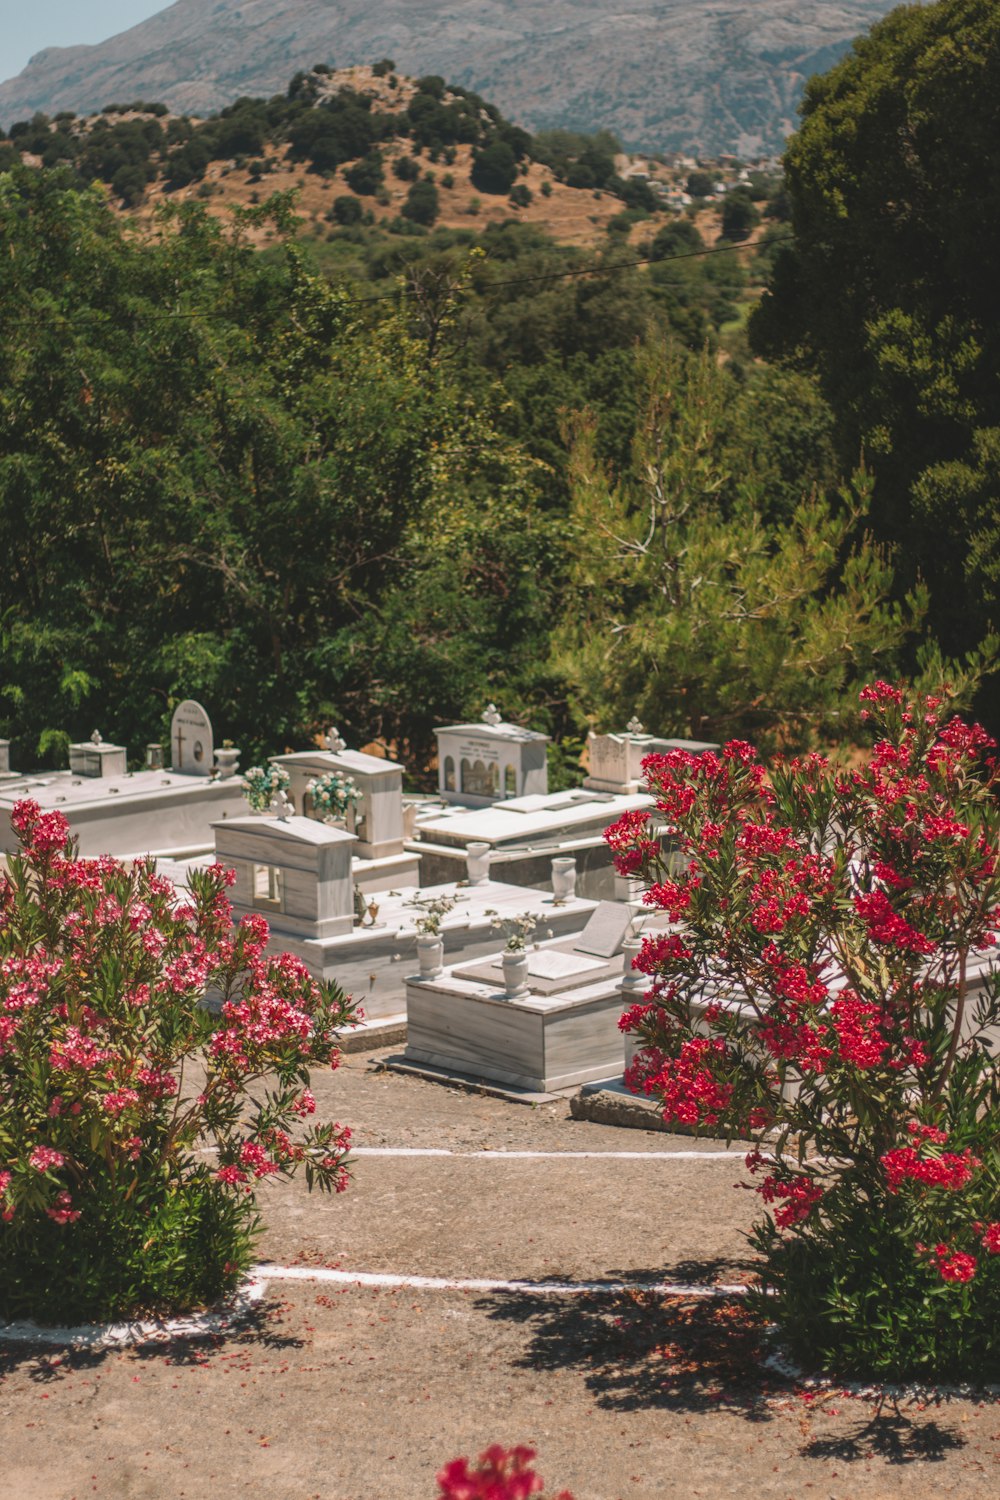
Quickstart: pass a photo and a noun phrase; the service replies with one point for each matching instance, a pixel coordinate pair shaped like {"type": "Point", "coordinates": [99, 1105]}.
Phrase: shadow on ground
{"type": "Point", "coordinates": [639, 1350]}
{"type": "Point", "coordinates": [259, 1328]}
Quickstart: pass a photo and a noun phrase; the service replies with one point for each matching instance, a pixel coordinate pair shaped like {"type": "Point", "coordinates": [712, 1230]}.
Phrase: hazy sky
{"type": "Point", "coordinates": [26, 26]}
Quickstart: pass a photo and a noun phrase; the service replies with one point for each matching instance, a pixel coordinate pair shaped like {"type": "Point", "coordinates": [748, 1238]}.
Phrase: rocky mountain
{"type": "Point", "coordinates": [709, 75]}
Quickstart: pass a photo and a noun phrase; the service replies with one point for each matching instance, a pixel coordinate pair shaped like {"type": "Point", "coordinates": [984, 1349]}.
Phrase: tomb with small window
{"type": "Point", "coordinates": [295, 871]}
{"type": "Point", "coordinates": [375, 817]}
{"type": "Point", "coordinates": [492, 761]}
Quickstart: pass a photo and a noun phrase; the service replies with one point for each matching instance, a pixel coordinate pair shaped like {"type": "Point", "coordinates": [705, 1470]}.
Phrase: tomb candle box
{"type": "Point", "coordinates": [294, 871]}
{"type": "Point", "coordinates": [479, 764]}
{"type": "Point", "coordinates": [94, 758]}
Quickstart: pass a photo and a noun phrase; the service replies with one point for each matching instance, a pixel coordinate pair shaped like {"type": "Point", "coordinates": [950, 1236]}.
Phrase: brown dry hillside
{"type": "Point", "coordinates": [577, 216]}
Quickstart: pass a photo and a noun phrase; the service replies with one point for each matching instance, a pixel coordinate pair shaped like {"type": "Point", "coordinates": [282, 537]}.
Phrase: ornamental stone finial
{"type": "Point", "coordinates": [634, 726]}
{"type": "Point", "coordinates": [491, 716]}
{"type": "Point", "coordinates": [333, 741]}
{"type": "Point", "coordinates": [96, 738]}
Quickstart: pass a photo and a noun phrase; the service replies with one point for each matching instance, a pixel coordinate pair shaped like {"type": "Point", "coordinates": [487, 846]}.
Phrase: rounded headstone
{"type": "Point", "coordinates": [192, 746]}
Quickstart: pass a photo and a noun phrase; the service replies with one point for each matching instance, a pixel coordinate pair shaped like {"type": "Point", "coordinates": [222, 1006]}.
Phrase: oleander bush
{"type": "Point", "coordinates": [825, 988]}
{"type": "Point", "coordinates": [135, 1121]}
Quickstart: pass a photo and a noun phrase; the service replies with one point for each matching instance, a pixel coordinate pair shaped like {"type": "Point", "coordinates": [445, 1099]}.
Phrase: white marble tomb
{"type": "Point", "coordinates": [292, 872]}
{"type": "Point", "coordinates": [616, 759]}
{"type": "Point", "coordinates": [479, 764]}
{"type": "Point", "coordinates": [523, 834]}
{"type": "Point", "coordinates": [381, 861]}
{"type": "Point", "coordinates": [562, 1033]}
{"type": "Point", "coordinates": [111, 810]}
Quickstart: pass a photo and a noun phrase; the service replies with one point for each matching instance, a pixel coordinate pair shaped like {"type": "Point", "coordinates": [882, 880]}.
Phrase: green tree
{"type": "Point", "coordinates": [739, 215]}
{"type": "Point", "coordinates": [422, 203]}
{"type": "Point", "coordinates": [494, 168]}
{"type": "Point", "coordinates": [215, 475]}
{"type": "Point", "coordinates": [367, 175]}
{"type": "Point", "coordinates": [700, 184]}
{"type": "Point", "coordinates": [685, 607]}
{"type": "Point", "coordinates": [894, 189]}
{"type": "Point", "coordinates": [347, 209]}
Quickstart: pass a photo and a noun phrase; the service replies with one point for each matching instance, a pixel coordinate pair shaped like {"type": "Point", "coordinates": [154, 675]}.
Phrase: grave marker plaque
{"type": "Point", "coordinates": [606, 931]}
{"type": "Point", "coordinates": [192, 746]}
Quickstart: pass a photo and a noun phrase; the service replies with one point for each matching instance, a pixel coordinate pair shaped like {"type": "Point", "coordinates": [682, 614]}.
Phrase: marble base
{"type": "Point", "coordinates": [563, 1033]}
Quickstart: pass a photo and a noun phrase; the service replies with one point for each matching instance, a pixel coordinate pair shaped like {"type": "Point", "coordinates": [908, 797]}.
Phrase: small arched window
{"type": "Point", "coordinates": [509, 782]}
{"type": "Point", "coordinates": [463, 779]}
{"type": "Point", "coordinates": [449, 773]}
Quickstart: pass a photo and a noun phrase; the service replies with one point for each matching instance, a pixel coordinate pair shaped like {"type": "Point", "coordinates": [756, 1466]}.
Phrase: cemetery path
{"type": "Point", "coordinates": [361, 1393]}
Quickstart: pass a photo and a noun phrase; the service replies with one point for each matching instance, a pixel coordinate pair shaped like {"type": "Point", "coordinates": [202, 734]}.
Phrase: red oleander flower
{"type": "Point", "coordinates": [949, 1170]}
{"type": "Point", "coordinates": [499, 1474]}
{"type": "Point", "coordinates": [954, 1265]}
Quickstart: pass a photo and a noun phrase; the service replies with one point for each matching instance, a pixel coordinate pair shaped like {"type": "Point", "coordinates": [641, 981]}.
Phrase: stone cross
{"type": "Point", "coordinates": [95, 738]}
{"type": "Point", "coordinates": [634, 726]}
{"type": "Point", "coordinates": [332, 740]}
{"type": "Point", "coordinates": [280, 807]}
{"type": "Point", "coordinates": [491, 717]}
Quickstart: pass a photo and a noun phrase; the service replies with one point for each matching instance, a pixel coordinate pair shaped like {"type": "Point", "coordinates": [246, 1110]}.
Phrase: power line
{"type": "Point", "coordinates": [602, 270]}
{"type": "Point", "coordinates": [488, 286]}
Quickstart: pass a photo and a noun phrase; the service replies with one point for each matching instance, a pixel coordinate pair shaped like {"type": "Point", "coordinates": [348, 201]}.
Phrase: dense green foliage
{"type": "Point", "coordinates": [893, 186]}
{"type": "Point", "coordinates": [701, 600]}
{"type": "Point", "coordinates": [383, 471]}
{"type": "Point", "coordinates": [217, 479]}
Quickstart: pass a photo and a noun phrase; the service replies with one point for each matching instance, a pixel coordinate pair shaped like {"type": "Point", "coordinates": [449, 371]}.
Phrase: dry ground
{"type": "Point", "coordinates": [341, 1392]}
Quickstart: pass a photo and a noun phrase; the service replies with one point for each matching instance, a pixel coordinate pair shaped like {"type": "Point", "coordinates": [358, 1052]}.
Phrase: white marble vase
{"type": "Point", "coordinates": [563, 880]}
{"type": "Point", "coordinates": [430, 954]}
{"type": "Point", "coordinates": [515, 972]}
{"type": "Point", "coordinates": [477, 863]}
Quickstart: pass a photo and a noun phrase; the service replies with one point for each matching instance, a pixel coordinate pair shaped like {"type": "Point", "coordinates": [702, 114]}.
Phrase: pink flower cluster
{"type": "Point", "coordinates": [45, 1158]}
{"type": "Point", "coordinates": [499, 1474]}
{"type": "Point", "coordinates": [96, 1030]}
{"type": "Point", "coordinates": [41, 833]}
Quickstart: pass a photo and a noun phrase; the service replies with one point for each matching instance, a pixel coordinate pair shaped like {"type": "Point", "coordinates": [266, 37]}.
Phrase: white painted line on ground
{"type": "Point", "coordinates": [487, 1155]}
{"type": "Point", "coordinates": [151, 1331]}
{"type": "Point", "coordinates": [489, 1284]}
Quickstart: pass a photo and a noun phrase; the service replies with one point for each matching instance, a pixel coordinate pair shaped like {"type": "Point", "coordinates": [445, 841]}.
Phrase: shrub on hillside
{"type": "Point", "coordinates": [422, 203]}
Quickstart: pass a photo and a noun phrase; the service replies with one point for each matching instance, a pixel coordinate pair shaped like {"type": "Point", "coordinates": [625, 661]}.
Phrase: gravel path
{"type": "Point", "coordinates": [348, 1393]}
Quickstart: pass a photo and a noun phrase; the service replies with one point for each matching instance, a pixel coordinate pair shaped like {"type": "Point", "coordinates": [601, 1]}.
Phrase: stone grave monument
{"type": "Point", "coordinates": [381, 861]}
{"type": "Point", "coordinates": [479, 764]}
{"type": "Point", "coordinates": [561, 1033]}
{"type": "Point", "coordinates": [294, 871]}
{"type": "Point", "coordinates": [95, 758]}
{"type": "Point", "coordinates": [192, 746]}
{"type": "Point", "coordinates": [6, 774]}
{"type": "Point", "coordinates": [616, 759]}
{"type": "Point", "coordinates": [297, 872]}
{"type": "Point", "coordinates": [130, 814]}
